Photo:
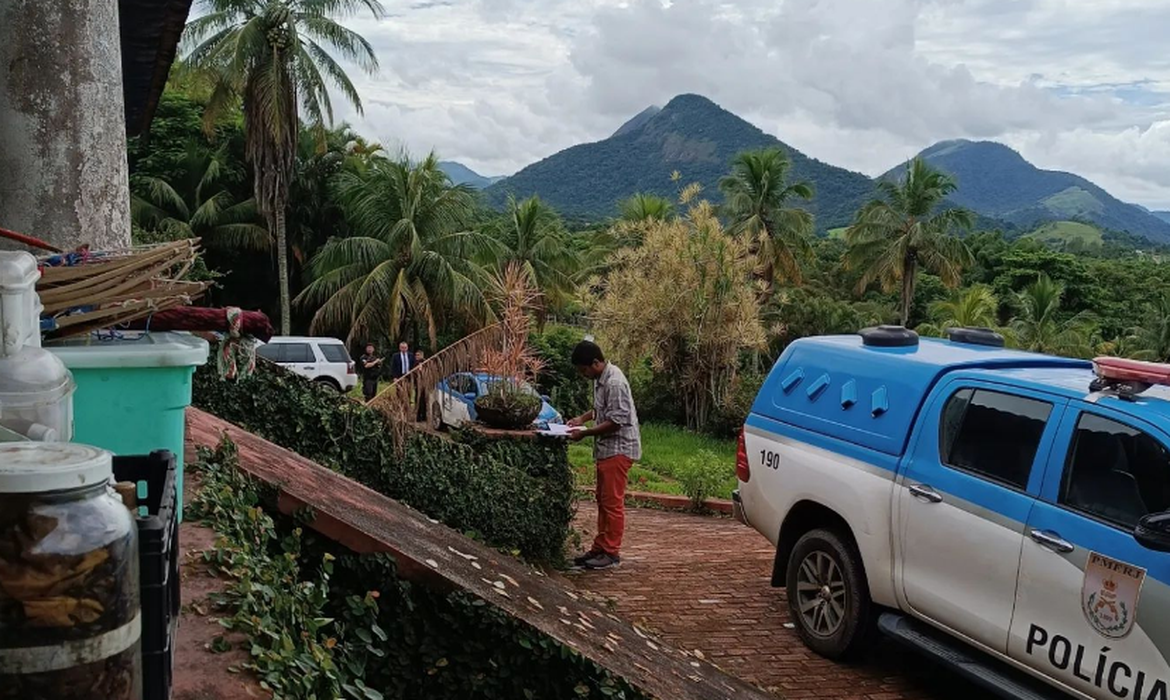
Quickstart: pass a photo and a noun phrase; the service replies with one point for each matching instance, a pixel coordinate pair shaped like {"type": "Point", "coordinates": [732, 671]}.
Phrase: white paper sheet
{"type": "Point", "coordinates": [558, 429]}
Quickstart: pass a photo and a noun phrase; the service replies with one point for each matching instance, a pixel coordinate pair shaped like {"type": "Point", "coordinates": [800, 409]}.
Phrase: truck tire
{"type": "Point", "coordinates": [329, 382]}
{"type": "Point", "coordinates": [828, 595]}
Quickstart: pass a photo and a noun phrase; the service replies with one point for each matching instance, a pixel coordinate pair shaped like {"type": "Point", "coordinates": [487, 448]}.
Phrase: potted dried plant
{"type": "Point", "coordinates": [510, 402]}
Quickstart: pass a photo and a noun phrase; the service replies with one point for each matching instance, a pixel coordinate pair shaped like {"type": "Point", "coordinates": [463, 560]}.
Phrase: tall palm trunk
{"type": "Point", "coordinates": [909, 273]}
{"type": "Point", "coordinates": [271, 144]}
{"type": "Point", "coordinates": [282, 274]}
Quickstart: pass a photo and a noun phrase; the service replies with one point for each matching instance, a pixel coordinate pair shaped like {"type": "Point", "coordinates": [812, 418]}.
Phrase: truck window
{"type": "Point", "coordinates": [992, 434]}
{"type": "Point", "coordinates": [1115, 472]}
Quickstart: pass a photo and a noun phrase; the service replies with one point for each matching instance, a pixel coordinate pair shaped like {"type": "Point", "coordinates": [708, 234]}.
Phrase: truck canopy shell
{"type": "Point", "coordinates": [837, 387]}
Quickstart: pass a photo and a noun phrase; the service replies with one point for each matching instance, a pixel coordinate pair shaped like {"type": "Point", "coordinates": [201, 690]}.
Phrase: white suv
{"type": "Point", "coordinates": [323, 360]}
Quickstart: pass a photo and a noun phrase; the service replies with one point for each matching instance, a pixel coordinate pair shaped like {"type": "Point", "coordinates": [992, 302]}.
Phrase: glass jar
{"type": "Point", "coordinates": [70, 622]}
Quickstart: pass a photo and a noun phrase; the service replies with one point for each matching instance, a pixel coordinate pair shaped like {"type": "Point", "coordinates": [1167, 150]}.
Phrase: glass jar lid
{"type": "Point", "coordinates": [37, 467]}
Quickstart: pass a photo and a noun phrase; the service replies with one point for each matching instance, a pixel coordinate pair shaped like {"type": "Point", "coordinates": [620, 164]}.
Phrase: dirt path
{"type": "Point", "coordinates": [703, 583]}
{"type": "Point", "coordinates": [199, 672]}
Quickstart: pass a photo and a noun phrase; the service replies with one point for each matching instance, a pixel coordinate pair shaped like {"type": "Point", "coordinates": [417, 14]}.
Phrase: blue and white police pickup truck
{"type": "Point", "coordinates": [1005, 512]}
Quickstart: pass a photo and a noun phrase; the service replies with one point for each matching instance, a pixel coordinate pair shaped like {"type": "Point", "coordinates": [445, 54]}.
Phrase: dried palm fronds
{"type": "Point", "coordinates": [500, 349]}
{"type": "Point", "coordinates": [85, 290]}
{"type": "Point", "coordinates": [516, 298]}
{"type": "Point", "coordinates": [464, 355]}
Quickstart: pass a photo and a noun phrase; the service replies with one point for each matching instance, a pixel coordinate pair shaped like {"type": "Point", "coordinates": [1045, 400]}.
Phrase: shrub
{"type": "Point", "coordinates": [274, 601]}
{"type": "Point", "coordinates": [515, 493]}
{"type": "Point", "coordinates": [655, 396]}
{"type": "Point", "coordinates": [701, 477]}
{"type": "Point", "coordinates": [732, 412]}
{"type": "Point", "coordinates": [685, 300]}
{"type": "Point", "coordinates": [325, 623]}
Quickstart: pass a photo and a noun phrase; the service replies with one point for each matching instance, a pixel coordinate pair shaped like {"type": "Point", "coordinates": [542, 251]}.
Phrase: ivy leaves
{"type": "Point", "coordinates": [515, 494]}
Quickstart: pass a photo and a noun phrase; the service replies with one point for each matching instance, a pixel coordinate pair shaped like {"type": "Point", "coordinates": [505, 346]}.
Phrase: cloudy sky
{"type": "Point", "coordinates": [1079, 85]}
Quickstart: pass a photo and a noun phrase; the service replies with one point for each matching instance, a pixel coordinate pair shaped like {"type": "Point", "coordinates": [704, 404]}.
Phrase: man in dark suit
{"type": "Point", "coordinates": [401, 363]}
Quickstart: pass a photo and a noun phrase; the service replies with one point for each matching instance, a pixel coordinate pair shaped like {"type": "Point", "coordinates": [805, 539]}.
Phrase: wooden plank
{"type": "Point", "coordinates": [436, 555]}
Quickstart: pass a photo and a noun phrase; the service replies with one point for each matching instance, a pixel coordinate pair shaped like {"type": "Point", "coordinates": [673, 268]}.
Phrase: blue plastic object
{"type": "Point", "coordinates": [133, 392]}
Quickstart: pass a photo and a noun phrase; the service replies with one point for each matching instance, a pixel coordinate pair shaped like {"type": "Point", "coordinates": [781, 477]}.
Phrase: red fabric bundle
{"type": "Point", "coordinates": [198, 318]}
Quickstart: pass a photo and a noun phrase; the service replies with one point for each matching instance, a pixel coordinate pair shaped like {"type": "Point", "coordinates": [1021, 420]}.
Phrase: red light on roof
{"type": "Point", "coordinates": [1128, 377]}
{"type": "Point", "coordinates": [1120, 369]}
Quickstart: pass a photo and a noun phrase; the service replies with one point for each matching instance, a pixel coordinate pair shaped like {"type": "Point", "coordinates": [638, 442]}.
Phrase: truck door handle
{"type": "Point", "coordinates": [1051, 540]}
{"type": "Point", "coordinates": [924, 493]}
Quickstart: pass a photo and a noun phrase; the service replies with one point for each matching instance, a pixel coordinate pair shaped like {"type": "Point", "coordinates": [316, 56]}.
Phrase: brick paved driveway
{"type": "Point", "coordinates": [702, 583]}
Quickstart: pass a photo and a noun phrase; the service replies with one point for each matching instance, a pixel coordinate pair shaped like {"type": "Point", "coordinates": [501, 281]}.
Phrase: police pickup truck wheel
{"type": "Point", "coordinates": [828, 597]}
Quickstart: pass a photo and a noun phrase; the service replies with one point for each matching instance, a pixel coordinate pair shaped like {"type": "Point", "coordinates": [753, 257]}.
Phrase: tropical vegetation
{"type": "Point", "coordinates": [758, 206]}
{"type": "Point", "coordinates": [901, 233]}
{"type": "Point", "coordinates": [411, 256]}
{"type": "Point", "coordinates": [694, 294]}
{"type": "Point", "coordinates": [270, 55]}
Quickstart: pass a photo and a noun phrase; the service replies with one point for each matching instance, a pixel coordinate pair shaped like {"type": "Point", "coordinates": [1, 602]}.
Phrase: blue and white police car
{"type": "Point", "coordinates": [1005, 512]}
{"type": "Point", "coordinates": [454, 398]}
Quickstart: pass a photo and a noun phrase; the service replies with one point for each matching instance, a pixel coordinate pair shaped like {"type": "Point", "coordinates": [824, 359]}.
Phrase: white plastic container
{"type": "Point", "coordinates": [36, 389]}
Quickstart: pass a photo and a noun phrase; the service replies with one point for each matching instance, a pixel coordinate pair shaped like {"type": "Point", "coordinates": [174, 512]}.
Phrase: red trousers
{"type": "Point", "coordinates": [611, 503]}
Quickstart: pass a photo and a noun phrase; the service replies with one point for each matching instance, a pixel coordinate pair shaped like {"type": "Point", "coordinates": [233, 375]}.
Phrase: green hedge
{"type": "Point", "coordinates": [516, 494]}
{"type": "Point", "coordinates": [324, 623]}
{"type": "Point", "coordinates": [456, 646]}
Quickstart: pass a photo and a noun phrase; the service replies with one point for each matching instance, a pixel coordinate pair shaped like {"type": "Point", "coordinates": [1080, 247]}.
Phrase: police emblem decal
{"type": "Point", "coordinates": [1109, 595]}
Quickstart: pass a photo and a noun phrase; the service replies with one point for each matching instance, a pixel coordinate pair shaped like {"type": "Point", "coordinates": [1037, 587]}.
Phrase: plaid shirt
{"type": "Point", "coordinates": [613, 401]}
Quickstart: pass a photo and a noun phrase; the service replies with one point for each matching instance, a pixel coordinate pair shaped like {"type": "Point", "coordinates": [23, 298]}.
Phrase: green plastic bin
{"type": "Point", "coordinates": [133, 391]}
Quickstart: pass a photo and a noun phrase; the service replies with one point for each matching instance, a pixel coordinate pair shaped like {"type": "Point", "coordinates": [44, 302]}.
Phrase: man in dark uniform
{"type": "Point", "coordinates": [370, 366]}
{"type": "Point", "coordinates": [420, 398]}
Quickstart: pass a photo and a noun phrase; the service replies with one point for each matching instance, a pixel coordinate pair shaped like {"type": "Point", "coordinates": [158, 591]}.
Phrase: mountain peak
{"type": "Point", "coordinates": [460, 174]}
{"type": "Point", "coordinates": [690, 135]}
{"type": "Point", "coordinates": [995, 180]}
{"type": "Point", "coordinates": [969, 148]}
{"type": "Point", "coordinates": [689, 101]}
{"type": "Point", "coordinates": [638, 120]}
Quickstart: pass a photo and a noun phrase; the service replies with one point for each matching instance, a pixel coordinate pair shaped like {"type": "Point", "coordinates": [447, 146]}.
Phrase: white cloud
{"type": "Point", "coordinates": [498, 84]}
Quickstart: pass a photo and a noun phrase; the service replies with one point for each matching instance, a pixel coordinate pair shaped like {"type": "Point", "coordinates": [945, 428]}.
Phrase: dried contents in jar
{"type": "Point", "coordinates": [69, 608]}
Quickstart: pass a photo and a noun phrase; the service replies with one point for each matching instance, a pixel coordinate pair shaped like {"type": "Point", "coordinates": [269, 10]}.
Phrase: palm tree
{"type": "Point", "coordinates": [314, 216]}
{"type": "Point", "coordinates": [1151, 340]}
{"type": "Point", "coordinates": [645, 207]}
{"type": "Point", "coordinates": [533, 235]}
{"type": "Point", "coordinates": [972, 307]}
{"type": "Point", "coordinates": [758, 197]}
{"type": "Point", "coordinates": [411, 255]}
{"type": "Point", "coordinates": [272, 54]}
{"type": "Point", "coordinates": [199, 205]}
{"type": "Point", "coordinates": [1041, 327]}
{"type": "Point", "coordinates": [896, 235]}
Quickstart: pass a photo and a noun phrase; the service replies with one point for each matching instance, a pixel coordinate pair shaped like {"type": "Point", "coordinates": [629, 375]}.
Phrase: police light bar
{"type": "Point", "coordinates": [1128, 378]}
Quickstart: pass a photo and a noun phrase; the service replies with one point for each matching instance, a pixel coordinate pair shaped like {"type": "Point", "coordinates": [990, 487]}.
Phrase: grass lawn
{"type": "Point", "coordinates": [1068, 232]}
{"type": "Point", "coordinates": [356, 392]}
{"type": "Point", "coordinates": [664, 449]}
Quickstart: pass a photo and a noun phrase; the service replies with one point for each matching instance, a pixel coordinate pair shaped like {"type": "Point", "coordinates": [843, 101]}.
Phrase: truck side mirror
{"type": "Point", "coordinates": [1153, 532]}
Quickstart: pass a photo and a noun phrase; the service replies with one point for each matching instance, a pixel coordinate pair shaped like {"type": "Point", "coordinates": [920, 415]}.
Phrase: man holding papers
{"type": "Point", "coordinates": [617, 444]}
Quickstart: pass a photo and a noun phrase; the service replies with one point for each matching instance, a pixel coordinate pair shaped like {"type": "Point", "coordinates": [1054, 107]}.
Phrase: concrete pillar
{"type": "Point", "coordinates": [63, 175]}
